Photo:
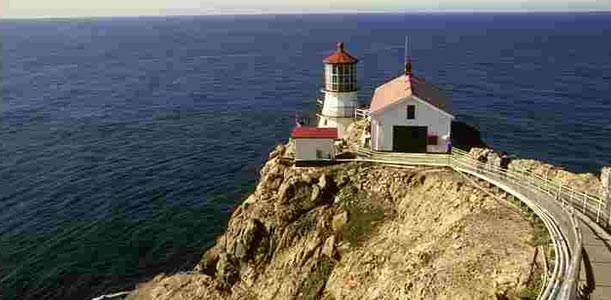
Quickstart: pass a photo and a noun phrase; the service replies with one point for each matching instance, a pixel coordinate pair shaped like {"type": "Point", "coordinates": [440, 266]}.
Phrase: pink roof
{"type": "Point", "coordinates": [340, 56]}
{"type": "Point", "coordinates": [391, 92]}
{"type": "Point", "coordinates": [401, 87]}
{"type": "Point", "coordinates": [313, 133]}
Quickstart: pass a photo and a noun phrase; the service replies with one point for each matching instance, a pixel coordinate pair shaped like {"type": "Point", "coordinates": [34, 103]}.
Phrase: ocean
{"type": "Point", "coordinates": [125, 143]}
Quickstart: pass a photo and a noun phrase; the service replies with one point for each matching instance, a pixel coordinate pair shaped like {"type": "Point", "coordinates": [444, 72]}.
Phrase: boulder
{"type": "Point", "coordinates": [240, 250]}
{"type": "Point", "coordinates": [316, 191]}
{"type": "Point", "coordinates": [250, 238]}
{"type": "Point", "coordinates": [322, 181]}
{"type": "Point", "coordinates": [285, 189]}
{"type": "Point", "coordinates": [339, 221]}
{"type": "Point", "coordinates": [208, 263]}
{"type": "Point", "coordinates": [278, 151]}
{"type": "Point", "coordinates": [251, 199]}
{"type": "Point", "coordinates": [328, 247]}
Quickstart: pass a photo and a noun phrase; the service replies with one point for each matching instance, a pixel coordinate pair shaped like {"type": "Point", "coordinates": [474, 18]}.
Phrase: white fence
{"type": "Point", "coordinates": [590, 205]}
{"type": "Point", "coordinates": [361, 113]}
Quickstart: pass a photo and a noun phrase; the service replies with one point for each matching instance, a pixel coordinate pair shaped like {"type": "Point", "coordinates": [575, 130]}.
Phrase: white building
{"type": "Point", "coordinates": [340, 91]}
{"type": "Point", "coordinates": [313, 143]}
{"type": "Point", "coordinates": [407, 115]}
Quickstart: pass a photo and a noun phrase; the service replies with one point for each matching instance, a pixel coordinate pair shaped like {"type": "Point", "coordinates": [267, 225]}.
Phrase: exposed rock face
{"type": "Point", "coordinates": [354, 134]}
{"type": "Point", "coordinates": [360, 232]}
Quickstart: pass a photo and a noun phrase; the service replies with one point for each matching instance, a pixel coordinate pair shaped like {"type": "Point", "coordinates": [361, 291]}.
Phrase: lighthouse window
{"type": "Point", "coordinates": [349, 78]}
{"type": "Point", "coordinates": [340, 77]}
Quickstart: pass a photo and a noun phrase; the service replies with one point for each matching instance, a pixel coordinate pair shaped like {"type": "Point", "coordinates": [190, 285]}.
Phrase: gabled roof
{"type": "Point", "coordinates": [402, 87]}
{"type": "Point", "coordinates": [313, 133]}
{"type": "Point", "coordinates": [391, 92]}
{"type": "Point", "coordinates": [340, 56]}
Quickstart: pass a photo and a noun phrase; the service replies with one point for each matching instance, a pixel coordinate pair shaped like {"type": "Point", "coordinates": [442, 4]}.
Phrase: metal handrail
{"type": "Point", "coordinates": [589, 204]}
{"type": "Point", "coordinates": [555, 212]}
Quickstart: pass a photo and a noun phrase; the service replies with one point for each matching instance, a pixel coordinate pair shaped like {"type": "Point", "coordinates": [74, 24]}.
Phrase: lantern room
{"type": "Point", "coordinates": [340, 71]}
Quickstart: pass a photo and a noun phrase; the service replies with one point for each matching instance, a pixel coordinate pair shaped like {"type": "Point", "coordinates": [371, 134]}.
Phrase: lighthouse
{"type": "Point", "coordinates": [340, 91]}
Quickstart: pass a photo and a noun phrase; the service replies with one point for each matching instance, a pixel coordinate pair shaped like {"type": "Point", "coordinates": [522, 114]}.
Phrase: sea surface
{"type": "Point", "coordinates": [126, 142]}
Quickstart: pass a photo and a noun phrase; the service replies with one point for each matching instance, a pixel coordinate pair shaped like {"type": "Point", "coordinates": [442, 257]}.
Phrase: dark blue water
{"type": "Point", "coordinates": [126, 142]}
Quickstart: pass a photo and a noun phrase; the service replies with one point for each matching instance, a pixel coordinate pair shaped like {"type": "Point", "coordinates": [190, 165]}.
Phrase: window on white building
{"type": "Point", "coordinates": [411, 112]}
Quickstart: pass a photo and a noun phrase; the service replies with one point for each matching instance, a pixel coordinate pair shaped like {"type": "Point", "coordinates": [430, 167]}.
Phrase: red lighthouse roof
{"type": "Point", "coordinates": [340, 56]}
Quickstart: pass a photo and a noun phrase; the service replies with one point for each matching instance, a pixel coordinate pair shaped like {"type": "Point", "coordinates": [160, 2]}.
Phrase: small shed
{"type": "Point", "coordinates": [408, 115]}
{"type": "Point", "coordinates": [314, 143]}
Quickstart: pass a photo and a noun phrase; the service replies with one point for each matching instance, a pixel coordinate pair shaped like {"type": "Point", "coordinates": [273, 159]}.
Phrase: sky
{"type": "Point", "coordinates": [85, 8]}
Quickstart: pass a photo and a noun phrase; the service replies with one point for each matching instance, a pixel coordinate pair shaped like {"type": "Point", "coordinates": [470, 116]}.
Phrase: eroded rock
{"type": "Point", "coordinates": [227, 270]}
{"type": "Point", "coordinates": [339, 221]}
{"type": "Point", "coordinates": [208, 263]}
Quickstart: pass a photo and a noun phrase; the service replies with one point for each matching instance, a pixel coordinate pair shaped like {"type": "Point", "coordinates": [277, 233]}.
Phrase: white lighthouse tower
{"type": "Point", "coordinates": [340, 88]}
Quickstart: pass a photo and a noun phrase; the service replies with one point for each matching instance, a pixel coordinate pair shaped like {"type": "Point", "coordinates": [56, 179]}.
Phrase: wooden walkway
{"type": "Point", "coordinates": [582, 266]}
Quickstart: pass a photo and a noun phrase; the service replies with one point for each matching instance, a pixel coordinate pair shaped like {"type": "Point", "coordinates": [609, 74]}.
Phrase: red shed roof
{"type": "Point", "coordinates": [314, 133]}
{"type": "Point", "coordinates": [340, 56]}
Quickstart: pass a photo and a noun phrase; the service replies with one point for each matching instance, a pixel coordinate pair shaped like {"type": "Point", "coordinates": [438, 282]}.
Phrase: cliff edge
{"type": "Point", "coordinates": [360, 231]}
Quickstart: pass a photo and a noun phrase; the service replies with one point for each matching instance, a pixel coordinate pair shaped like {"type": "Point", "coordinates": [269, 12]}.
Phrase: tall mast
{"type": "Point", "coordinates": [408, 60]}
{"type": "Point", "coordinates": [405, 51]}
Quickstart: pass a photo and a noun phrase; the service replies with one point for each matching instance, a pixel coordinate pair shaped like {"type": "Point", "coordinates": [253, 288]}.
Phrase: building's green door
{"type": "Point", "coordinates": [409, 139]}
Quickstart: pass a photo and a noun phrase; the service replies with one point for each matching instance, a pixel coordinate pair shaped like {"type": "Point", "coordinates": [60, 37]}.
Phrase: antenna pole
{"type": "Point", "coordinates": [408, 61]}
{"type": "Point", "coordinates": [405, 51]}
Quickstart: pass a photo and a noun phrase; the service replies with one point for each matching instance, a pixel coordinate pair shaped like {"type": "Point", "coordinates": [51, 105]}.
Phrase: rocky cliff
{"type": "Point", "coordinates": [358, 231]}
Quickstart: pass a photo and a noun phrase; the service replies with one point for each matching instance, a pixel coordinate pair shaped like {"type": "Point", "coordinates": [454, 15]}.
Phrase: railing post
{"type": "Point", "coordinates": [545, 183]}
{"type": "Point", "coordinates": [585, 198]}
{"type": "Point", "coordinates": [559, 195]}
{"type": "Point", "coordinates": [605, 195]}
{"type": "Point", "coordinates": [598, 210]}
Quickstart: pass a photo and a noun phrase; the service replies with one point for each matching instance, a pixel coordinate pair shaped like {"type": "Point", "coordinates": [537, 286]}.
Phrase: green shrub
{"type": "Point", "coordinates": [528, 293]}
{"type": "Point", "coordinates": [540, 234]}
{"type": "Point", "coordinates": [531, 291]}
{"type": "Point", "coordinates": [362, 214]}
{"type": "Point", "coordinates": [317, 278]}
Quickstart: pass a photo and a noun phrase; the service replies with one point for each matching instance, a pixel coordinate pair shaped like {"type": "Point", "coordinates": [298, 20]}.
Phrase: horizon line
{"type": "Point", "coordinates": [288, 13]}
